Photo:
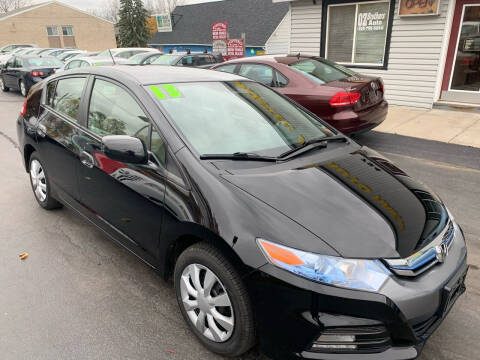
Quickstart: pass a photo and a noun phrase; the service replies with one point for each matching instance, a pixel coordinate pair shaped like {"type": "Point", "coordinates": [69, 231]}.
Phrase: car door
{"type": "Point", "coordinates": [9, 74]}
{"type": "Point", "coordinates": [126, 197]}
{"type": "Point", "coordinates": [58, 129]}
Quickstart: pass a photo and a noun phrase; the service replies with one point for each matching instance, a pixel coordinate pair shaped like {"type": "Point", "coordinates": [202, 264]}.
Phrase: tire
{"type": "Point", "coordinates": [2, 85]}
{"type": "Point", "coordinates": [233, 319]}
{"type": "Point", "coordinates": [23, 88]}
{"type": "Point", "coordinates": [40, 183]}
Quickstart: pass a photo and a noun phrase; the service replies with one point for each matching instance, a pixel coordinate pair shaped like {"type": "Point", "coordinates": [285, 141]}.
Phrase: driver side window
{"type": "Point", "coordinates": [10, 63]}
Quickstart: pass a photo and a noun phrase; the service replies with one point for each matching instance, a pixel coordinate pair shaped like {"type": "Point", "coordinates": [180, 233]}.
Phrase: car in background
{"type": "Point", "coordinates": [10, 47]}
{"type": "Point", "coordinates": [56, 52]}
{"type": "Point", "coordinates": [71, 54]}
{"type": "Point", "coordinates": [200, 60]}
{"type": "Point", "coordinates": [351, 102]}
{"type": "Point", "coordinates": [22, 72]}
{"type": "Point", "coordinates": [82, 62]}
{"type": "Point", "coordinates": [18, 51]}
{"type": "Point", "coordinates": [124, 53]}
{"type": "Point", "coordinates": [39, 51]}
{"type": "Point", "coordinates": [144, 58]}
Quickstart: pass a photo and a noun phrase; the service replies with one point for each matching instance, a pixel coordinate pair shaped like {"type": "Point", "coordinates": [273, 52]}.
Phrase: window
{"type": "Point", "coordinates": [158, 147]}
{"type": "Point", "coordinates": [151, 59]}
{"type": "Point", "coordinates": [187, 61]}
{"type": "Point", "coordinates": [67, 30]}
{"type": "Point", "coordinates": [51, 92]}
{"type": "Point", "coordinates": [227, 68]}
{"type": "Point", "coordinates": [282, 81]}
{"type": "Point", "coordinates": [321, 72]}
{"type": "Point", "coordinates": [52, 31]}
{"type": "Point", "coordinates": [260, 73]}
{"type": "Point", "coordinates": [72, 65]}
{"type": "Point", "coordinates": [113, 111]}
{"type": "Point", "coordinates": [357, 32]}
{"type": "Point", "coordinates": [18, 63]}
{"type": "Point", "coordinates": [68, 95]}
{"type": "Point", "coordinates": [83, 63]}
{"type": "Point", "coordinates": [10, 63]}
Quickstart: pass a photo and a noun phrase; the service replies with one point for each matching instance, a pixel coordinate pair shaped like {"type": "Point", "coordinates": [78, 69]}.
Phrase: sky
{"type": "Point", "coordinates": [91, 4]}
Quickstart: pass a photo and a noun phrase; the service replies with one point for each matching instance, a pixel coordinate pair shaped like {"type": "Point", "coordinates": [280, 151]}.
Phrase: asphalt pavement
{"type": "Point", "coordinates": [80, 296]}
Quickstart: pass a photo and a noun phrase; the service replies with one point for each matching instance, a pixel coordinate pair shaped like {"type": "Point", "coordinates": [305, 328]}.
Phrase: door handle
{"type": "Point", "coordinates": [87, 160]}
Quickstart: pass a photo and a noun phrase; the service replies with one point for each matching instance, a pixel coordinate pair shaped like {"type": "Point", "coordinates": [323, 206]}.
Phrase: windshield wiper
{"type": "Point", "coordinates": [237, 156]}
{"type": "Point", "coordinates": [312, 144]}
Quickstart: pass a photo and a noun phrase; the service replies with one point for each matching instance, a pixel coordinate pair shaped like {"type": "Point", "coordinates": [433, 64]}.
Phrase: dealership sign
{"type": "Point", "coordinates": [164, 22]}
{"type": "Point", "coordinates": [235, 48]}
{"type": "Point", "coordinates": [368, 21]}
{"type": "Point", "coordinates": [220, 31]}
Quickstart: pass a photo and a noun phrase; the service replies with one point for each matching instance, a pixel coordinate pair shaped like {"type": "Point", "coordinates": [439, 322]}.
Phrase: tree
{"type": "Point", "coordinates": [9, 5]}
{"type": "Point", "coordinates": [132, 25]}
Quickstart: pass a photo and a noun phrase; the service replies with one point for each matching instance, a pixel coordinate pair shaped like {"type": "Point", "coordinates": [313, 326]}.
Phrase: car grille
{"type": "Point", "coordinates": [425, 258]}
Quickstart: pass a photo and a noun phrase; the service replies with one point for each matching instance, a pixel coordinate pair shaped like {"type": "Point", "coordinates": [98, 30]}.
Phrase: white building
{"type": "Point", "coordinates": [427, 51]}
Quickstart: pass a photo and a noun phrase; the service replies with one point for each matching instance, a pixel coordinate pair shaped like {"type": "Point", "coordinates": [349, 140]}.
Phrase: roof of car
{"type": "Point", "coordinates": [157, 74]}
{"type": "Point", "coordinates": [278, 58]}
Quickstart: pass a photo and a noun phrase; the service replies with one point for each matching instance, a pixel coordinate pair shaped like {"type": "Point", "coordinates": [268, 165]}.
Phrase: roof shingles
{"type": "Point", "coordinates": [258, 19]}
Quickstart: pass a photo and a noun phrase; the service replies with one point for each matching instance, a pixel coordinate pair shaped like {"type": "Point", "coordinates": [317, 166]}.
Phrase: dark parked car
{"type": "Point", "coordinates": [22, 72]}
{"type": "Point", "coordinates": [200, 60]}
{"type": "Point", "coordinates": [274, 227]}
{"type": "Point", "coordinates": [351, 102]}
{"type": "Point", "coordinates": [144, 58]}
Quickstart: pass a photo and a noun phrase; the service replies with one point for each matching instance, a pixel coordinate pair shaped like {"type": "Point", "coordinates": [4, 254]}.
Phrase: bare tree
{"type": "Point", "coordinates": [108, 10]}
{"type": "Point", "coordinates": [162, 6]}
{"type": "Point", "coordinates": [9, 5]}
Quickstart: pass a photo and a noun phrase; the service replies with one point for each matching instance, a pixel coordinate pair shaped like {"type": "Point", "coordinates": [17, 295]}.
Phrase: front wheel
{"type": "Point", "coordinates": [41, 184]}
{"type": "Point", "coordinates": [214, 301]}
{"type": "Point", "coordinates": [2, 85]}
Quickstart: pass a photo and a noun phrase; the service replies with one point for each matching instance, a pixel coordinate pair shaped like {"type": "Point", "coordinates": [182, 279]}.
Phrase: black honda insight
{"type": "Point", "coordinates": [276, 228]}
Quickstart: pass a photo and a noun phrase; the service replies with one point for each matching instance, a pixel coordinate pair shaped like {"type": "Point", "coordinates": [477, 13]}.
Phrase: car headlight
{"type": "Point", "coordinates": [359, 274]}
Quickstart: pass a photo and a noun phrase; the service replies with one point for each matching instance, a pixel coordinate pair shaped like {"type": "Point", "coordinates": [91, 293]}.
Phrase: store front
{"type": "Point", "coordinates": [427, 51]}
{"type": "Point", "coordinates": [461, 80]}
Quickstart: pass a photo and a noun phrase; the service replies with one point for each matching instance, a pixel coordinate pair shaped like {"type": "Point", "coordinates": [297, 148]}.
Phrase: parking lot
{"type": "Point", "coordinates": [80, 296]}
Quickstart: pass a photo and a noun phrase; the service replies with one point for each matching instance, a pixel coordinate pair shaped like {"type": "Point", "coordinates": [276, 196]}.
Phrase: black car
{"type": "Point", "coordinates": [200, 60]}
{"type": "Point", "coordinates": [144, 58]}
{"type": "Point", "coordinates": [276, 228]}
{"type": "Point", "coordinates": [22, 72]}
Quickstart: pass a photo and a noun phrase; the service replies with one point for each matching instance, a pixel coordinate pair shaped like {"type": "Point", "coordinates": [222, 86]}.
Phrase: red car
{"type": "Point", "coordinates": [350, 102]}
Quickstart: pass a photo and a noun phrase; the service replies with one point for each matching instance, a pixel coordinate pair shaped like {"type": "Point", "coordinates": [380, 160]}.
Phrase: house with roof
{"type": "Point", "coordinates": [266, 26]}
{"type": "Point", "coordinates": [55, 24]}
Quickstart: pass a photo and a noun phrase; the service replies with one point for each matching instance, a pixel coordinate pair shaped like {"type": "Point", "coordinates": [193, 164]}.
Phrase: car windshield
{"type": "Point", "coordinates": [322, 71]}
{"type": "Point", "coordinates": [166, 60]}
{"type": "Point", "coordinates": [137, 59]}
{"type": "Point", "coordinates": [43, 62]}
{"type": "Point", "coordinates": [239, 116]}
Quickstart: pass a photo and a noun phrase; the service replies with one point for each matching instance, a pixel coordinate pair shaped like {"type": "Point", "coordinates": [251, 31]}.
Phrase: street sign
{"type": "Point", "coordinates": [235, 48]}
{"type": "Point", "coordinates": [219, 31]}
{"type": "Point", "coordinates": [164, 22]}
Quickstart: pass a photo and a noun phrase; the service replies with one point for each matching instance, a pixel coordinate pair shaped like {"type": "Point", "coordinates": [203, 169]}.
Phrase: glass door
{"type": "Point", "coordinates": [465, 75]}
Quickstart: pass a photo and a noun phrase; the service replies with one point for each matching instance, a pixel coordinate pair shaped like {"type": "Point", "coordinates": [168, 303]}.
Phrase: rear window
{"type": "Point", "coordinates": [322, 72]}
{"type": "Point", "coordinates": [43, 62]}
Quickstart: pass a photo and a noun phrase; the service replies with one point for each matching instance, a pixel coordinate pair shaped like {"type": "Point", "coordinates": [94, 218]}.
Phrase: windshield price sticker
{"type": "Point", "coordinates": [166, 91]}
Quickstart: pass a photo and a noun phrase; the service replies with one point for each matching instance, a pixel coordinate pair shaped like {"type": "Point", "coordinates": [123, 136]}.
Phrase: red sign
{"type": "Point", "coordinates": [219, 31]}
{"type": "Point", "coordinates": [235, 48]}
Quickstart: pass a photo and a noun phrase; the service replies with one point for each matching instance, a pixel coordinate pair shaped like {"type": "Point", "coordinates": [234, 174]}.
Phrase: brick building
{"type": "Point", "coordinates": [54, 24]}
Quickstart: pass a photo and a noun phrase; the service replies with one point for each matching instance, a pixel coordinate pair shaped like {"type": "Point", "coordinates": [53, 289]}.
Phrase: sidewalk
{"type": "Point", "coordinates": [460, 127]}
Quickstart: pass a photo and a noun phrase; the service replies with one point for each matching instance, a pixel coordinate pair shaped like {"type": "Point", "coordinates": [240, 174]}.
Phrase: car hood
{"type": "Point", "coordinates": [359, 203]}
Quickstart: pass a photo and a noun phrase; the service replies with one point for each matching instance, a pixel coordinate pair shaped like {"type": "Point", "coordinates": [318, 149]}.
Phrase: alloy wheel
{"type": "Point", "coordinates": [2, 85]}
{"type": "Point", "coordinates": [207, 303]}
{"type": "Point", "coordinates": [39, 181]}
{"type": "Point", "coordinates": [23, 89]}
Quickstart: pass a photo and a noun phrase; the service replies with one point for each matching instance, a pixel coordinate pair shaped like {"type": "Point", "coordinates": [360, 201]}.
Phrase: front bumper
{"type": "Point", "coordinates": [293, 312]}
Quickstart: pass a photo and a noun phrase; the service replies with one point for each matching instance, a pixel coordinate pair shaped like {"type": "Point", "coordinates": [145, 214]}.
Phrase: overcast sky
{"type": "Point", "coordinates": [90, 4]}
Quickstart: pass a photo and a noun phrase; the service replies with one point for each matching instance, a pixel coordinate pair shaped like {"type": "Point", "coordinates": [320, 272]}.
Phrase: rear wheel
{"type": "Point", "coordinates": [40, 184]}
{"type": "Point", "coordinates": [2, 85]}
{"type": "Point", "coordinates": [214, 301]}
{"type": "Point", "coordinates": [23, 88]}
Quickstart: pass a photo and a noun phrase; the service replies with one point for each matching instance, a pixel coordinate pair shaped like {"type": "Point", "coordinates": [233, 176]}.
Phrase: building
{"type": "Point", "coordinates": [265, 25]}
{"type": "Point", "coordinates": [54, 24]}
{"type": "Point", "coordinates": [428, 52]}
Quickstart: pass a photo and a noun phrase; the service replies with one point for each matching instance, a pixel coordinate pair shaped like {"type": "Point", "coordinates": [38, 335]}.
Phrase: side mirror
{"type": "Point", "coordinates": [125, 149]}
